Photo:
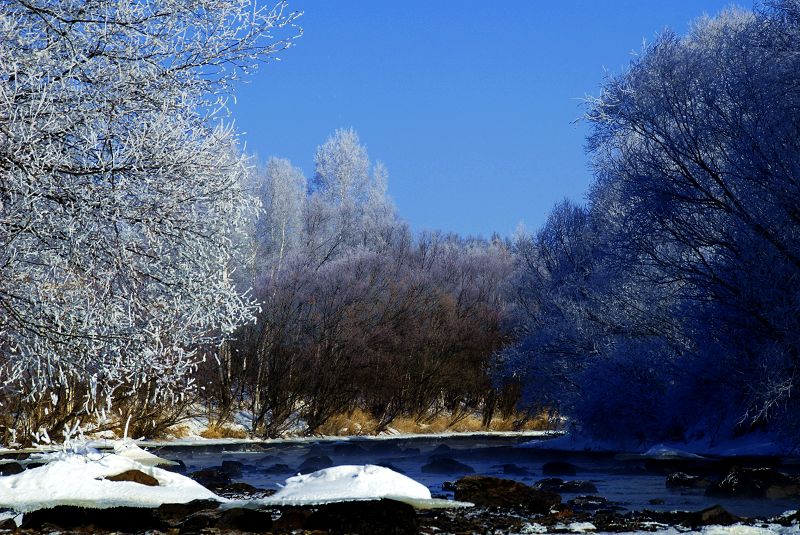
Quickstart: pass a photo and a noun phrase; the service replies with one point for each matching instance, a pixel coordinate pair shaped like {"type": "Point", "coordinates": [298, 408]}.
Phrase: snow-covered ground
{"type": "Point", "coordinates": [80, 479]}
{"type": "Point", "coordinates": [356, 483]}
{"type": "Point", "coordinates": [752, 445]}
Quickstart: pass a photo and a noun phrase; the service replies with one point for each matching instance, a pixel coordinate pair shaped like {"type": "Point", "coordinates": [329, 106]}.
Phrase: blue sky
{"type": "Point", "coordinates": [471, 105]}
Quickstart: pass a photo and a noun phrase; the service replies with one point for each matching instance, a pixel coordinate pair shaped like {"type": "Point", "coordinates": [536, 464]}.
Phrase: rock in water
{"type": "Point", "coordinates": [135, 476]}
{"type": "Point", "coordinates": [211, 478]}
{"type": "Point", "coordinates": [277, 469]}
{"type": "Point", "coordinates": [445, 465]}
{"type": "Point", "coordinates": [682, 480]}
{"type": "Point", "coordinates": [232, 468]}
{"type": "Point", "coordinates": [554, 484]}
{"type": "Point", "coordinates": [9, 469]}
{"type": "Point", "coordinates": [715, 515]}
{"type": "Point", "coordinates": [498, 492]}
{"type": "Point", "coordinates": [312, 464]}
{"type": "Point", "coordinates": [755, 483]}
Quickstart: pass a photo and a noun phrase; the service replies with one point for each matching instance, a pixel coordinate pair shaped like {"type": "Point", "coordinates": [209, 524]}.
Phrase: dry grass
{"type": "Point", "coordinates": [357, 422]}
{"type": "Point", "coordinates": [223, 431]}
{"type": "Point", "coordinates": [178, 431]}
{"type": "Point", "coordinates": [517, 422]}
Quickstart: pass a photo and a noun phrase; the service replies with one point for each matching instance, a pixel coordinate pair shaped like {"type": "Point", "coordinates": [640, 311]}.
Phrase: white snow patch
{"type": "Point", "coordinates": [581, 527]}
{"type": "Point", "coordinates": [349, 482]}
{"type": "Point", "coordinates": [129, 449]}
{"type": "Point", "coordinates": [78, 479]}
{"type": "Point", "coordinates": [661, 451]}
{"type": "Point", "coordinates": [532, 528]}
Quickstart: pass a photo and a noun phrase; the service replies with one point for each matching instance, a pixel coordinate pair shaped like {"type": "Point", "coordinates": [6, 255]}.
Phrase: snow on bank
{"type": "Point", "coordinates": [129, 449]}
{"type": "Point", "coordinates": [355, 483]}
{"type": "Point", "coordinates": [753, 445]}
{"type": "Point", "coordinates": [79, 479]}
{"type": "Point", "coordinates": [350, 482]}
{"type": "Point", "coordinates": [199, 441]}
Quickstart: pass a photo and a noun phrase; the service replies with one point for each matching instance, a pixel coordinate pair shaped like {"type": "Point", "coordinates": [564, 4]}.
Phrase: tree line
{"type": "Point", "coordinates": [666, 308]}
{"type": "Point", "coordinates": [148, 265]}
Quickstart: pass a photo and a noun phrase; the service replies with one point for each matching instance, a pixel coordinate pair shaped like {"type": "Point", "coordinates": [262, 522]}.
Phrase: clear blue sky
{"type": "Point", "coordinates": [470, 104]}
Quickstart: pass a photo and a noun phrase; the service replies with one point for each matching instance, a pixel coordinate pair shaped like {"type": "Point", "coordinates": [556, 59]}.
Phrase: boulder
{"type": "Point", "coordinates": [391, 467]}
{"type": "Point", "coordinates": [312, 464]}
{"type": "Point", "coordinates": [135, 476]}
{"type": "Point", "coordinates": [715, 516]}
{"type": "Point", "coordinates": [277, 469]}
{"type": "Point", "coordinates": [755, 483]}
{"type": "Point", "coordinates": [446, 465]}
{"type": "Point", "coordinates": [682, 480]}
{"type": "Point", "coordinates": [559, 468]}
{"type": "Point", "coordinates": [379, 517]}
{"type": "Point", "coordinates": [179, 468]}
{"type": "Point", "coordinates": [554, 484]}
{"type": "Point", "coordinates": [211, 478]}
{"type": "Point", "coordinates": [9, 469]}
{"type": "Point", "coordinates": [592, 503]}
{"type": "Point", "coordinates": [497, 492]}
{"type": "Point", "coordinates": [232, 468]}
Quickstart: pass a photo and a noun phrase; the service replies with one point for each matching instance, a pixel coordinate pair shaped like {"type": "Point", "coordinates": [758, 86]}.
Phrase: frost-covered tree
{"type": "Point", "coordinates": [282, 188]}
{"type": "Point", "coordinates": [700, 138]}
{"type": "Point", "coordinates": [356, 201]}
{"type": "Point", "coordinates": [120, 192]}
{"type": "Point", "coordinates": [692, 301]}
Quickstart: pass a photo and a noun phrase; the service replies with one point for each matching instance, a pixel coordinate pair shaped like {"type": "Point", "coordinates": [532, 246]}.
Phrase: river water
{"type": "Point", "coordinates": [632, 484]}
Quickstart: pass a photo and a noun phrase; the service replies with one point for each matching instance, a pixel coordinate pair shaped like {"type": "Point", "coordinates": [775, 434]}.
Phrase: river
{"type": "Point", "coordinates": [632, 484]}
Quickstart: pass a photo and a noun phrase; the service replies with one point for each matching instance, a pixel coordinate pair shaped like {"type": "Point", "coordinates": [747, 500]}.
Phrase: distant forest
{"type": "Point", "coordinates": [150, 269]}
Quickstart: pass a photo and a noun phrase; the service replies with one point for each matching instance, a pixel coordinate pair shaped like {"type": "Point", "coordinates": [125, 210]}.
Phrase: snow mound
{"type": "Point", "coordinates": [349, 483]}
{"type": "Point", "coordinates": [661, 451]}
{"type": "Point", "coordinates": [79, 479]}
{"type": "Point", "coordinates": [129, 449]}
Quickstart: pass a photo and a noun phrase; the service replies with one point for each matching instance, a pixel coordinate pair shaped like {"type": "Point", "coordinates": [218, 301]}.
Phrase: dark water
{"type": "Point", "coordinates": [632, 484]}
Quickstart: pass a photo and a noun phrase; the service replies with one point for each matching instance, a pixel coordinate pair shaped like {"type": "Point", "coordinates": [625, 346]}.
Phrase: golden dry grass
{"type": "Point", "coordinates": [178, 431]}
{"type": "Point", "coordinates": [223, 431]}
{"type": "Point", "coordinates": [357, 422]}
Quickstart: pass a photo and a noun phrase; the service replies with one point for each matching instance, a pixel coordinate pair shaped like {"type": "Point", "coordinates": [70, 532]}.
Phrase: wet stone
{"type": "Point", "coordinates": [312, 464]}
{"type": "Point", "coordinates": [9, 469]}
{"type": "Point", "coordinates": [755, 483]}
{"type": "Point", "coordinates": [682, 480]}
{"type": "Point", "coordinates": [554, 484]}
{"type": "Point", "coordinates": [135, 476]}
{"type": "Point", "coordinates": [179, 468]}
{"type": "Point", "coordinates": [211, 478]}
{"type": "Point", "coordinates": [446, 465]}
{"type": "Point", "coordinates": [277, 469]}
{"type": "Point", "coordinates": [498, 492]}
{"type": "Point", "coordinates": [232, 468]}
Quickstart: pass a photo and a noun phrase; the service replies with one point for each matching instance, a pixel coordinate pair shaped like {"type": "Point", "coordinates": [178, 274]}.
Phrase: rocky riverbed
{"type": "Point", "coordinates": [519, 491]}
{"type": "Point", "coordinates": [501, 506]}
